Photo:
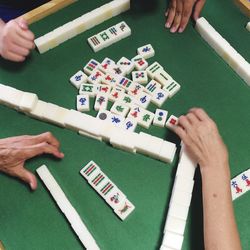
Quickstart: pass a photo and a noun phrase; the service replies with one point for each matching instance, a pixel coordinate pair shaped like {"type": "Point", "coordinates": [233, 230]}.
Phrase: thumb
{"type": "Point", "coordinates": [197, 9]}
{"type": "Point", "coordinates": [22, 23]}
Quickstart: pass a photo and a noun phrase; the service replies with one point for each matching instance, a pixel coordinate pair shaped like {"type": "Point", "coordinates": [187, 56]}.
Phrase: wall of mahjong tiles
{"type": "Point", "coordinates": [31, 220]}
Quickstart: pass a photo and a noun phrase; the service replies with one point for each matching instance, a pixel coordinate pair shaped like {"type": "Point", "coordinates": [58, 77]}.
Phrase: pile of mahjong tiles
{"type": "Point", "coordinates": [108, 81]}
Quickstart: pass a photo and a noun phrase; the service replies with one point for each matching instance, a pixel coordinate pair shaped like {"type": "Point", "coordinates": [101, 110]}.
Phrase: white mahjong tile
{"type": "Point", "coordinates": [140, 62]}
{"type": "Point", "coordinates": [152, 86]}
{"type": "Point", "coordinates": [103, 115]}
{"type": "Point", "coordinates": [102, 88]}
{"type": "Point", "coordinates": [135, 89]}
{"type": "Point", "coordinates": [110, 79]}
{"type": "Point", "coordinates": [123, 30]}
{"type": "Point", "coordinates": [146, 51]}
{"type": "Point", "coordinates": [91, 66]}
{"type": "Point", "coordinates": [163, 77]}
{"type": "Point", "coordinates": [126, 209]}
{"type": "Point", "coordinates": [175, 225]}
{"type": "Point", "coordinates": [172, 88]}
{"type": "Point", "coordinates": [135, 112]}
{"type": "Point", "coordinates": [173, 240]}
{"type": "Point", "coordinates": [96, 43]}
{"type": "Point", "coordinates": [96, 77]}
{"type": "Point", "coordinates": [107, 187]}
{"type": "Point", "coordinates": [127, 100]}
{"type": "Point", "coordinates": [172, 122]}
{"type": "Point", "coordinates": [153, 69]}
{"type": "Point", "coordinates": [78, 78]}
{"type": "Point", "coordinates": [143, 100]}
{"type": "Point", "coordinates": [116, 120]}
{"type": "Point", "coordinates": [119, 109]}
{"type": "Point", "coordinates": [146, 119]}
{"type": "Point", "coordinates": [89, 170]}
{"type": "Point", "coordinates": [237, 188]}
{"type": "Point", "coordinates": [117, 70]}
{"type": "Point", "coordinates": [159, 97]}
{"type": "Point", "coordinates": [105, 39]}
{"type": "Point", "coordinates": [160, 117]}
{"type": "Point", "coordinates": [101, 101]}
{"type": "Point", "coordinates": [113, 34]}
{"type": "Point", "coordinates": [129, 124]}
{"type": "Point", "coordinates": [106, 65]}
{"type": "Point", "coordinates": [126, 64]}
{"type": "Point", "coordinates": [88, 89]}
{"type": "Point", "coordinates": [140, 77]}
{"type": "Point", "coordinates": [82, 103]}
{"type": "Point", "coordinates": [116, 93]}
{"type": "Point", "coordinates": [245, 177]}
{"type": "Point", "coordinates": [96, 179]}
{"type": "Point", "coordinates": [115, 198]}
{"type": "Point", "coordinates": [124, 83]}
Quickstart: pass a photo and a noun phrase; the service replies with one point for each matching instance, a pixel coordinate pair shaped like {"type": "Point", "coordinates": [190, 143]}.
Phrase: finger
{"type": "Point", "coordinates": [187, 10]}
{"type": "Point", "coordinates": [19, 50]}
{"type": "Point", "coordinates": [180, 132]}
{"type": "Point", "coordinates": [42, 148]}
{"type": "Point", "coordinates": [22, 23]}
{"type": "Point", "coordinates": [184, 123]}
{"type": "Point", "coordinates": [22, 42]}
{"type": "Point", "coordinates": [192, 118]}
{"type": "Point", "coordinates": [177, 18]}
{"type": "Point", "coordinates": [26, 34]}
{"type": "Point", "coordinates": [49, 138]}
{"type": "Point", "coordinates": [171, 13]}
{"type": "Point", "coordinates": [197, 9]}
{"type": "Point", "coordinates": [23, 174]}
{"type": "Point", "coordinates": [13, 57]}
{"type": "Point", "coordinates": [200, 114]}
{"type": "Point", "coordinates": [166, 13]}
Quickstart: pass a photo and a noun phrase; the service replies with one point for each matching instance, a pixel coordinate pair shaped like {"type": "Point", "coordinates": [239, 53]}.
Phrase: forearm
{"type": "Point", "coordinates": [220, 229]}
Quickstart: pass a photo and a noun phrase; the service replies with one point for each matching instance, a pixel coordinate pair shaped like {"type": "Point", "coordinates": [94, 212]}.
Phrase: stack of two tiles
{"type": "Point", "coordinates": [115, 198]}
{"type": "Point", "coordinates": [179, 204]}
{"type": "Point", "coordinates": [240, 184]}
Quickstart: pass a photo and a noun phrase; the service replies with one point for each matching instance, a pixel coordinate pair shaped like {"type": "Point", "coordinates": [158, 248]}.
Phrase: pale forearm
{"type": "Point", "coordinates": [220, 229]}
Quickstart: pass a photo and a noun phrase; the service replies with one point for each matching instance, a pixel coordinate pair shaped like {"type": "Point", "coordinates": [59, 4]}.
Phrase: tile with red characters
{"type": "Point", "coordinates": [96, 77]}
{"type": "Point", "coordinates": [172, 122]}
{"type": "Point", "coordinates": [125, 210]}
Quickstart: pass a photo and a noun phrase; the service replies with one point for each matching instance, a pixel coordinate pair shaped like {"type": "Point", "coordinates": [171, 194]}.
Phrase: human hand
{"type": "Point", "coordinates": [200, 135]}
{"type": "Point", "coordinates": [179, 12]}
{"type": "Point", "coordinates": [14, 151]}
{"type": "Point", "coordinates": [16, 40]}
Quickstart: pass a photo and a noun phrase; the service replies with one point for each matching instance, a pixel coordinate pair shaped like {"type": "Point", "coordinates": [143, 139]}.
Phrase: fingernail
{"type": "Point", "coordinates": [173, 29]}
{"type": "Point", "coordinates": [167, 25]}
{"type": "Point", "coordinates": [180, 30]}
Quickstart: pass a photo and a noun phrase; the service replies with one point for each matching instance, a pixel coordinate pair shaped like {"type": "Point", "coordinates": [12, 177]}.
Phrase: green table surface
{"type": "Point", "coordinates": [32, 220]}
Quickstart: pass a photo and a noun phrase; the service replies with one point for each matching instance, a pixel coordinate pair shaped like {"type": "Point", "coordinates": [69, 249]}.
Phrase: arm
{"type": "Point", "coordinates": [14, 151]}
{"type": "Point", "coordinates": [16, 40]}
{"type": "Point", "coordinates": [202, 139]}
{"type": "Point", "coordinates": [179, 12]}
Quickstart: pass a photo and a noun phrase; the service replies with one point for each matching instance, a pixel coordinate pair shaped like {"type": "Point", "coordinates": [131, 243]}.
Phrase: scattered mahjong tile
{"type": "Point", "coordinates": [146, 118]}
{"type": "Point", "coordinates": [124, 83]}
{"type": "Point", "coordinates": [119, 109]}
{"type": "Point", "coordinates": [89, 170]}
{"type": "Point", "coordinates": [105, 38]}
{"type": "Point", "coordinates": [116, 93]}
{"type": "Point", "coordinates": [140, 77]}
{"type": "Point", "coordinates": [172, 122]}
{"type": "Point", "coordinates": [95, 42]}
{"type": "Point", "coordinates": [127, 100]}
{"type": "Point", "coordinates": [113, 34]}
{"type": "Point", "coordinates": [152, 86]}
{"type": "Point", "coordinates": [97, 179]}
{"type": "Point", "coordinates": [116, 120]}
{"type": "Point", "coordinates": [105, 190]}
{"type": "Point", "coordinates": [82, 103]}
{"type": "Point", "coordinates": [146, 51]}
{"type": "Point", "coordinates": [95, 77]}
{"type": "Point", "coordinates": [101, 101]}
{"type": "Point", "coordinates": [172, 88]}
{"type": "Point", "coordinates": [160, 117]}
{"type": "Point", "coordinates": [135, 112]}
{"type": "Point", "coordinates": [88, 89]}
{"type": "Point", "coordinates": [140, 62]}
{"type": "Point", "coordinates": [126, 64]}
{"type": "Point", "coordinates": [78, 78]}
{"type": "Point", "coordinates": [117, 70]}
{"type": "Point", "coordinates": [159, 97]}
{"type": "Point", "coordinates": [125, 210]}
{"type": "Point", "coordinates": [129, 124]}
{"type": "Point", "coordinates": [163, 77]}
{"type": "Point", "coordinates": [91, 66]}
{"type": "Point", "coordinates": [109, 79]}
{"type": "Point", "coordinates": [103, 115]}
{"type": "Point", "coordinates": [123, 30]}
{"type": "Point", "coordinates": [153, 69]}
{"type": "Point", "coordinates": [143, 100]}
{"type": "Point", "coordinates": [101, 88]}
{"type": "Point", "coordinates": [106, 65]}
{"type": "Point", "coordinates": [115, 198]}
{"type": "Point", "coordinates": [135, 89]}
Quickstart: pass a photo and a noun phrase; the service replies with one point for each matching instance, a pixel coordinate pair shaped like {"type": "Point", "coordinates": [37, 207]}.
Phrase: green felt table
{"type": "Point", "coordinates": [32, 220]}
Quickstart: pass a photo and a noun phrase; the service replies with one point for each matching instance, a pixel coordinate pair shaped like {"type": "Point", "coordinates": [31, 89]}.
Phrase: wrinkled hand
{"type": "Point", "coordinates": [202, 139]}
{"type": "Point", "coordinates": [16, 40]}
{"type": "Point", "coordinates": [179, 12]}
{"type": "Point", "coordinates": [14, 151]}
